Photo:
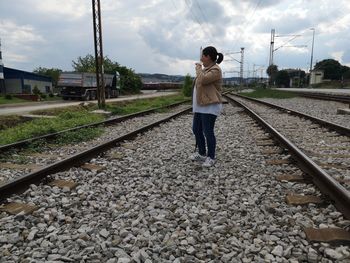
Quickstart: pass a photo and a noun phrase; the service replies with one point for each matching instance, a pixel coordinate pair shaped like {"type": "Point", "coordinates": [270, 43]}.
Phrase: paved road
{"type": "Point", "coordinates": [24, 109]}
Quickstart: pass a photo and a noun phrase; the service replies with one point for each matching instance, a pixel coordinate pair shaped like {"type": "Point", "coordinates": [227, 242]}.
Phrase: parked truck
{"type": "Point", "coordinates": [83, 86]}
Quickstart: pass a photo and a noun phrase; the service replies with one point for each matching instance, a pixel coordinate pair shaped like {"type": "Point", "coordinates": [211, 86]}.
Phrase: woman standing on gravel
{"type": "Point", "coordinates": [207, 104]}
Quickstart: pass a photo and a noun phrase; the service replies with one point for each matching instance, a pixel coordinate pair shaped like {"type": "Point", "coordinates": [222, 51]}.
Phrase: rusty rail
{"type": "Point", "coordinates": [328, 185]}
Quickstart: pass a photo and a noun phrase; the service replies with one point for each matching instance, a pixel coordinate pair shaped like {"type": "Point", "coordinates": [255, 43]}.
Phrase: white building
{"type": "Point", "coordinates": [316, 76]}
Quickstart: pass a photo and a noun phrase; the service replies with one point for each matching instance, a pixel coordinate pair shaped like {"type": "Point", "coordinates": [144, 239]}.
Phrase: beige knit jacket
{"type": "Point", "coordinates": [208, 85]}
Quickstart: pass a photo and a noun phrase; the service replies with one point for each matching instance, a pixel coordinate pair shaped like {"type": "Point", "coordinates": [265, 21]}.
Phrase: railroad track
{"type": "Point", "coordinates": [147, 202]}
{"type": "Point", "coordinates": [324, 96]}
{"type": "Point", "coordinates": [110, 121]}
{"type": "Point", "coordinates": [320, 152]}
{"type": "Point", "coordinates": [35, 166]}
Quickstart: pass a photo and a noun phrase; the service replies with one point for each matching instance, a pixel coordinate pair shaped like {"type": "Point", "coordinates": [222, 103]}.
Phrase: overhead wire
{"type": "Point", "coordinates": [291, 39]}
{"type": "Point", "coordinates": [247, 18]}
{"type": "Point", "coordinates": [195, 17]}
{"type": "Point", "coordinates": [174, 4]}
{"type": "Point", "coordinates": [246, 21]}
{"type": "Point", "coordinates": [200, 9]}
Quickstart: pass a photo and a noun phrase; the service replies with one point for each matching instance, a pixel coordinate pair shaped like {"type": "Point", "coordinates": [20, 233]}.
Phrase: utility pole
{"type": "Point", "coordinates": [96, 13]}
{"type": "Point", "coordinates": [312, 48]}
{"type": "Point", "coordinates": [253, 71]}
{"type": "Point", "coordinates": [272, 43]}
{"type": "Point", "coordinates": [241, 67]}
{"type": "Point", "coordinates": [2, 79]}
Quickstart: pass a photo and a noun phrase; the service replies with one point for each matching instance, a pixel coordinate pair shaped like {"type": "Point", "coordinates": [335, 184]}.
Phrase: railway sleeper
{"type": "Point", "coordinates": [329, 235]}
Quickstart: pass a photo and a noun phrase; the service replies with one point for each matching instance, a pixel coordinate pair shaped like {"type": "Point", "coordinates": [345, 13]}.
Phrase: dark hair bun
{"type": "Point", "coordinates": [213, 54]}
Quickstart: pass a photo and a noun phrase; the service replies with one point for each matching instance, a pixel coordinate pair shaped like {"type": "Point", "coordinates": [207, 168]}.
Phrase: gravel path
{"type": "Point", "coordinates": [327, 148]}
{"type": "Point", "coordinates": [318, 108]}
{"type": "Point", "coordinates": [151, 204]}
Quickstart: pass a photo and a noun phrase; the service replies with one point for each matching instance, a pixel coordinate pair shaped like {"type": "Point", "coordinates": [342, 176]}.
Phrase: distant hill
{"type": "Point", "coordinates": [157, 77]}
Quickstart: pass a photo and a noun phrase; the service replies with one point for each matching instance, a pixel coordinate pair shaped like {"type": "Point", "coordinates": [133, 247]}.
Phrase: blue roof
{"type": "Point", "coordinates": [10, 73]}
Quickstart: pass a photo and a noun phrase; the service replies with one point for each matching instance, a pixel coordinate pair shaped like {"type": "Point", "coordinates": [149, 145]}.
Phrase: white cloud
{"type": "Point", "coordinates": [72, 9]}
{"type": "Point", "coordinates": [337, 55]}
{"type": "Point", "coordinates": [19, 41]}
{"type": "Point", "coordinates": [164, 36]}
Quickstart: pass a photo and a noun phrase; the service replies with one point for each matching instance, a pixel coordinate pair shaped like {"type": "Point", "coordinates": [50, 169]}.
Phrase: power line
{"type": "Point", "coordinates": [284, 44]}
{"type": "Point", "coordinates": [246, 21]}
{"type": "Point", "coordinates": [272, 49]}
{"type": "Point", "coordinates": [174, 4]}
{"type": "Point", "coordinates": [195, 17]}
{"type": "Point", "coordinates": [203, 15]}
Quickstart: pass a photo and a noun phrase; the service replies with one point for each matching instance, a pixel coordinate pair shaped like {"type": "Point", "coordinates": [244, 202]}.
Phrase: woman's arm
{"type": "Point", "coordinates": [208, 77]}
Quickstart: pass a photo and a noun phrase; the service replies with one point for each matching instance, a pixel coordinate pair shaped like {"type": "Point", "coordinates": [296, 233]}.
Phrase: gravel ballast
{"type": "Point", "coordinates": [152, 204]}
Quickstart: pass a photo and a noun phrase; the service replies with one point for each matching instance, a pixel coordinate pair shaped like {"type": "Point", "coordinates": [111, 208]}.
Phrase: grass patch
{"type": "Point", "coordinates": [78, 136]}
{"type": "Point", "coordinates": [58, 111]}
{"type": "Point", "coordinates": [128, 107]}
{"type": "Point", "coordinates": [13, 157]}
{"type": "Point", "coordinates": [64, 120]}
{"type": "Point", "coordinates": [8, 121]}
{"type": "Point", "coordinates": [73, 116]}
{"type": "Point", "coordinates": [4, 100]}
{"type": "Point", "coordinates": [335, 84]}
{"type": "Point", "coordinates": [269, 93]}
{"type": "Point", "coordinates": [11, 99]}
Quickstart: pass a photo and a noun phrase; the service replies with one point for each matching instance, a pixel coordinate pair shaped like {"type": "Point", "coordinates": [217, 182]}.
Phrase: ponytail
{"type": "Point", "coordinates": [220, 58]}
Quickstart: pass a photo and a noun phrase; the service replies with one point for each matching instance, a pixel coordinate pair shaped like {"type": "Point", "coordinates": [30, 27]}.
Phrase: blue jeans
{"type": "Point", "coordinates": [203, 126]}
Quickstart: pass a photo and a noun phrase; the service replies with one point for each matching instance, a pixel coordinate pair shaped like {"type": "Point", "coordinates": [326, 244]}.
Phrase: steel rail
{"type": "Point", "coordinates": [323, 96]}
{"type": "Point", "coordinates": [328, 185]}
{"type": "Point", "coordinates": [22, 143]}
{"type": "Point", "coordinates": [24, 181]}
{"type": "Point", "coordinates": [327, 124]}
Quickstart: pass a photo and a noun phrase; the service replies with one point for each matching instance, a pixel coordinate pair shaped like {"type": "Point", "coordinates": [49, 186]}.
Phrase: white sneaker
{"type": "Point", "coordinates": [197, 157]}
{"type": "Point", "coordinates": [208, 162]}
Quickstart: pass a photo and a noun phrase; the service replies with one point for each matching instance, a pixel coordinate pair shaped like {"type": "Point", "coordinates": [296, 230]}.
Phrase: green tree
{"type": "Point", "coordinates": [85, 64]}
{"type": "Point", "coordinates": [187, 86]}
{"type": "Point", "coordinates": [332, 68]}
{"type": "Point", "coordinates": [130, 82]}
{"type": "Point", "coordinates": [344, 69]}
{"type": "Point", "coordinates": [298, 76]}
{"type": "Point", "coordinates": [346, 75]}
{"type": "Point", "coordinates": [282, 78]}
{"type": "Point", "coordinates": [271, 71]}
{"type": "Point", "coordinates": [345, 72]}
{"type": "Point", "coordinates": [54, 73]}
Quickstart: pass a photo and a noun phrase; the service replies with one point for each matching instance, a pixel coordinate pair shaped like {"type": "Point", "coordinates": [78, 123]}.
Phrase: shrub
{"type": "Point", "coordinates": [8, 96]}
{"type": "Point", "coordinates": [187, 86]}
{"type": "Point", "coordinates": [36, 91]}
{"type": "Point", "coordinates": [43, 96]}
{"type": "Point", "coordinates": [51, 95]}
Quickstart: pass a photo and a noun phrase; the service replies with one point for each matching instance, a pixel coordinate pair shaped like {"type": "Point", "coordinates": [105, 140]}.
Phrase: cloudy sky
{"type": "Point", "coordinates": [165, 36]}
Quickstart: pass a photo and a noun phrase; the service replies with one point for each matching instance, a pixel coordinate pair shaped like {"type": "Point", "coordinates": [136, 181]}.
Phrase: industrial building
{"type": "Point", "coordinates": [22, 82]}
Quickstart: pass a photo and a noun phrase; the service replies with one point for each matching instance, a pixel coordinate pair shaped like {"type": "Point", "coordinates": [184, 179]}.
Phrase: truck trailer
{"type": "Point", "coordinates": [83, 86]}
